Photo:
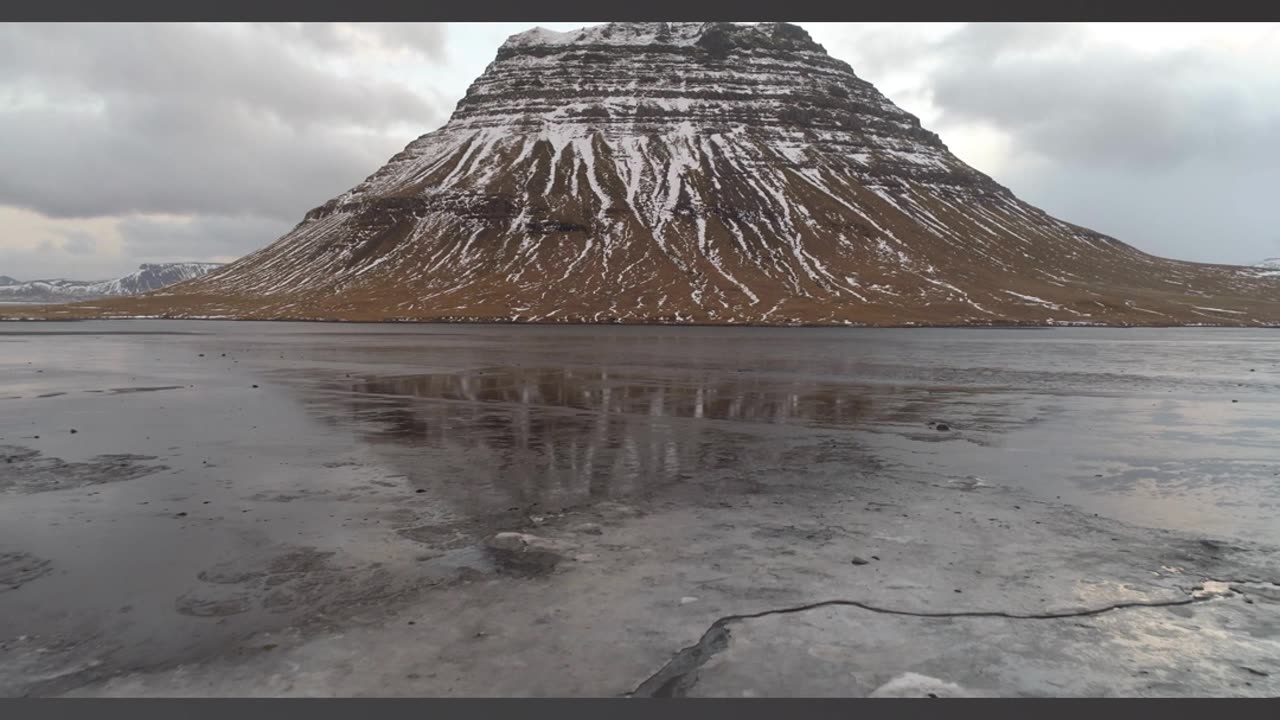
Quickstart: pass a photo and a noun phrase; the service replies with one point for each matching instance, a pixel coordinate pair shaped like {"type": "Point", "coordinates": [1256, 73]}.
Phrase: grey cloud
{"type": "Point", "coordinates": [1063, 97]}
{"type": "Point", "coordinates": [425, 39]}
{"type": "Point", "coordinates": [76, 255]}
{"type": "Point", "coordinates": [1111, 110]}
{"type": "Point", "coordinates": [428, 39]}
{"type": "Point", "coordinates": [1176, 213]}
{"type": "Point", "coordinates": [200, 64]}
{"type": "Point", "coordinates": [988, 41]}
{"type": "Point", "coordinates": [200, 238]}
{"type": "Point", "coordinates": [1173, 151]}
{"type": "Point", "coordinates": [80, 243]}
{"type": "Point", "coordinates": [165, 158]}
{"type": "Point", "coordinates": [49, 259]}
{"type": "Point", "coordinates": [121, 118]}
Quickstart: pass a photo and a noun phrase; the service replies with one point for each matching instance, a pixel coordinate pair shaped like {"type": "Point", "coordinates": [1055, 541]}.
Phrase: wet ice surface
{"type": "Point", "coordinates": [227, 479]}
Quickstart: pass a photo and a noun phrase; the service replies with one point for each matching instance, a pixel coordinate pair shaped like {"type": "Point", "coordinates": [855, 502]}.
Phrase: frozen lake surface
{"type": "Point", "coordinates": [171, 492]}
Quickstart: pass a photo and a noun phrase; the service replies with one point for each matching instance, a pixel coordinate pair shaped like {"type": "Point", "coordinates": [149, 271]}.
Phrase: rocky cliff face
{"type": "Point", "coordinates": [697, 172]}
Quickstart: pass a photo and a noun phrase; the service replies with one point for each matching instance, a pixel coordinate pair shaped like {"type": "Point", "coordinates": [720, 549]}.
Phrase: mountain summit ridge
{"type": "Point", "coordinates": [696, 173]}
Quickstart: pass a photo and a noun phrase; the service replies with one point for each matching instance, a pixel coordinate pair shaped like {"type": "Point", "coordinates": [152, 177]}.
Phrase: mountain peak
{"type": "Point", "coordinates": [709, 36]}
{"type": "Point", "coordinates": [703, 173]}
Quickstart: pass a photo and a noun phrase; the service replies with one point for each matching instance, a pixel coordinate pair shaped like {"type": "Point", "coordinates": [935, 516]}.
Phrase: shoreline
{"type": "Point", "coordinates": [1013, 325]}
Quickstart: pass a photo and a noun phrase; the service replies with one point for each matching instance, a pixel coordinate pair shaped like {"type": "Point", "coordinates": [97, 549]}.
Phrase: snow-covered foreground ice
{"type": "Point", "coordinates": [317, 509]}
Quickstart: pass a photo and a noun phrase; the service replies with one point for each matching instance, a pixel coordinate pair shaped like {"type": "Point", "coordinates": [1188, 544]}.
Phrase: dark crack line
{"type": "Point", "coordinates": [680, 673]}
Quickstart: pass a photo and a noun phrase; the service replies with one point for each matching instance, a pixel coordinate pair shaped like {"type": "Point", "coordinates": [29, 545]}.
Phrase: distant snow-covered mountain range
{"type": "Point", "coordinates": [148, 277]}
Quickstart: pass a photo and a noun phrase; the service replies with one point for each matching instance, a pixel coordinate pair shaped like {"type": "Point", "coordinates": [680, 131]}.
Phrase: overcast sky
{"type": "Point", "coordinates": [124, 144]}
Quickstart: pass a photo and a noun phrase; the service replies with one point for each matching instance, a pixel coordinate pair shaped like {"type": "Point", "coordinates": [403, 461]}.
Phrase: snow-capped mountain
{"type": "Point", "coordinates": [146, 278]}
{"type": "Point", "coordinates": [696, 172]}
{"type": "Point", "coordinates": [1265, 268]}
{"type": "Point", "coordinates": [150, 277]}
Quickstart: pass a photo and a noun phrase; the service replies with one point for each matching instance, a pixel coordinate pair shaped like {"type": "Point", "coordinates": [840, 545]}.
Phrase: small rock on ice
{"type": "Point", "coordinates": [968, 483]}
{"type": "Point", "coordinates": [1212, 588]}
{"type": "Point", "coordinates": [523, 542]}
{"type": "Point", "coordinates": [526, 554]}
{"type": "Point", "coordinates": [916, 685]}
